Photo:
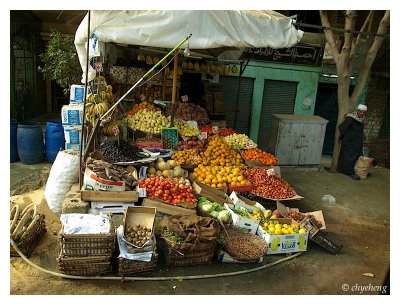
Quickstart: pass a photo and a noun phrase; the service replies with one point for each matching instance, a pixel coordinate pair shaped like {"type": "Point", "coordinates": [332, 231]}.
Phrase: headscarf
{"type": "Point", "coordinates": [354, 114]}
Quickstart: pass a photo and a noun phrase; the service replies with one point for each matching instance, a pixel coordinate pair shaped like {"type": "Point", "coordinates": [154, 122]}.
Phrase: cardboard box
{"type": "Point", "coordinates": [248, 224]}
{"type": "Point", "coordinates": [211, 193]}
{"type": "Point", "coordinates": [102, 196]}
{"type": "Point", "coordinates": [77, 94]}
{"type": "Point", "coordinates": [72, 134]}
{"type": "Point", "coordinates": [244, 202]}
{"type": "Point", "coordinates": [166, 208]}
{"type": "Point", "coordinates": [111, 206]}
{"type": "Point", "coordinates": [144, 216]}
{"type": "Point", "coordinates": [93, 182]}
{"type": "Point", "coordinates": [307, 222]}
{"type": "Point", "coordinates": [74, 147]}
{"type": "Point", "coordinates": [284, 243]}
{"type": "Point", "coordinates": [72, 114]}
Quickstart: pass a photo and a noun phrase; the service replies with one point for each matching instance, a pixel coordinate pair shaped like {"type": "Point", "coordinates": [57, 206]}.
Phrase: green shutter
{"type": "Point", "coordinates": [278, 98]}
{"type": "Point", "coordinates": [230, 90]}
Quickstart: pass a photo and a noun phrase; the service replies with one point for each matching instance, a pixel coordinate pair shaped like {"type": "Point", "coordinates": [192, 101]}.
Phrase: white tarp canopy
{"type": "Point", "coordinates": [209, 29]}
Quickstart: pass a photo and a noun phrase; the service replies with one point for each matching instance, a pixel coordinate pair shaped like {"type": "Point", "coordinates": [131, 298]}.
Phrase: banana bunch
{"type": "Point", "coordinates": [96, 106]}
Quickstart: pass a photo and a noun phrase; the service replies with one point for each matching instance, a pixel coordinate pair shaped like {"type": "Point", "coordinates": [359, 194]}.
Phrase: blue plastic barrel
{"type": "Point", "coordinates": [54, 141]}
{"type": "Point", "coordinates": [30, 142]}
{"type": "Point", "coordinates": [13, 140]}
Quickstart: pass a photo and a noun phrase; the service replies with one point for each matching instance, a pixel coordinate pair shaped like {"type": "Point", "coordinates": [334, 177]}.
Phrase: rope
{"type": "Point", "coordinates": [28, 219]}
{"type": "Point", "coordinates": [156, 278]}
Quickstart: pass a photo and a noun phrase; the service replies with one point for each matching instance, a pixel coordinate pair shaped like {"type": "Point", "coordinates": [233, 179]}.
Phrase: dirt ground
{"type": "Point", "coordinates": [359, 220]}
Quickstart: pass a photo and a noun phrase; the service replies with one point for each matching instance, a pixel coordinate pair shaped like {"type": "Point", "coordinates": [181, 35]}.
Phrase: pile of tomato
{"type": "Point", "coordinates": [171, 190]}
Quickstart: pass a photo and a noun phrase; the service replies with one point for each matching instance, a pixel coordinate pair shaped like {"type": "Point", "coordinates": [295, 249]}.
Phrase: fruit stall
{"type": "Point", "coordinates": [190, 191]}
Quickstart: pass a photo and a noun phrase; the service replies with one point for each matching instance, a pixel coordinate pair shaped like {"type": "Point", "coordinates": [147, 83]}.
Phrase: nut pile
{"type": "Point", "coordinates": [137, 235]}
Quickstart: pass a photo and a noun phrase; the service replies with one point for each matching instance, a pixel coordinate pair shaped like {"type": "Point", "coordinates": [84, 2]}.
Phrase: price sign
{"type": "Point", "coordinates": [203, 135]}
{"type": "Point", "coordinates": [270, 172]}
{"type": "Point", "coordinates": [215, 129]}
{"type": "Point", "coordinates": [184, 98]}
{"type": "Point", "coordinates": [115, 130]}
{"type": "Point", "coordinates": [142, 192]}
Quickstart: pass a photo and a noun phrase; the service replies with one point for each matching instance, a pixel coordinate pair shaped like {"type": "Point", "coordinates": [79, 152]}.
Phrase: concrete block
{"type": "Point", "coordinates": [73, 204]}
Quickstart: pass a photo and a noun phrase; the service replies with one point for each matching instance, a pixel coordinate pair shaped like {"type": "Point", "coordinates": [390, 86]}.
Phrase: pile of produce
{"type": "Point", "coordinates": [223, 132]}
{"type": "Point", "coordinates": [260, 156]}
{"type": "Point", "coordinates": [187, 157]}
{"type": "Point", "coordinates": [298, 216]}
{"type": "Point", "coordinates": [176, 191]}
{"type": "Point", "coordinates": [170, 169]}
{"type": "Point", "coordinates": [112, 172]}
{"type": "Point", "coordinates": [242, 245]}
{"type": "Point", "coordinates": [240, 141]}
{"type": "Point", "coordinates": [220, 176]}
{"type": "Point", "coordinates": [137, 235]}
{"type": "Point", "coordinates": [268, 186]}
{"type": "Point", "coordinates": [186, 131]}
{"type": "Point", "coordinates": [193, 142]}
{"type": "Point", "coordinates": [274, 227]}
{"type": "Point", "coordinates": [189, 112]}
{"type": "Point", "coordinates": [219, 153]}
{"type": "Point", "coordinates": [96, 106]}
{"type": "Point", "coordinates": [120, 151]}
{"type": "Point", "coordinates": [147, 121]}
{"type": "Point", "coordinates": [213, 209]}
{"type": "Point", "coordinates": [140, 106]}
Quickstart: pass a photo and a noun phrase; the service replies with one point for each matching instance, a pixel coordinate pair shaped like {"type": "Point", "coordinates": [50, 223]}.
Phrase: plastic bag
{"type": "Point", "coordinates": [363, 164]}
{"type": "Point", "coordinates": [63, 174]}
{"type": "Point", "coordinates": [329, 198]}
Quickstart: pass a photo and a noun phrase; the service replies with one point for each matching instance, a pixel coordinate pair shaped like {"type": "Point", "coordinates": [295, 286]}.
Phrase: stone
{"type": "Point", "coordinates": [74, 204]}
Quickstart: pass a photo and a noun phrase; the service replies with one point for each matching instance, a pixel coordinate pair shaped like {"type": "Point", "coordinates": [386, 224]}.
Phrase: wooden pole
{"type": "Point", "coordinates": [174, 82]}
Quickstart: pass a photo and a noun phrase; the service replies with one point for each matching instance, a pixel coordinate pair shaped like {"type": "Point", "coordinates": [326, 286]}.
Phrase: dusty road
{"type": "Point", "coordinates": [359, 220]}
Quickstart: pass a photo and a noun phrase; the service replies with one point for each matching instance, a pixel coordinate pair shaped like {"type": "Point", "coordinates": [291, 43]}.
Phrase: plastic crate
{"type": "Point", "coordinates": [321, 239]}
{"type": "Point", "coordinates": [266, 203]}
{"type": "Point", "coordinates": [169, 136]}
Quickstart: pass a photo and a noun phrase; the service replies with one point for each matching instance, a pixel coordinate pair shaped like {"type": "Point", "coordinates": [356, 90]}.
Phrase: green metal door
{"type": "Point", "coordinates": [279, 98]}
{"type": "Point", "coordinates": [237, 116]}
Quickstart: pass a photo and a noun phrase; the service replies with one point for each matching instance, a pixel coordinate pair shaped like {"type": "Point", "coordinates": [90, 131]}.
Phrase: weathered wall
{"type": "Point", "coordinates": [305, 76]}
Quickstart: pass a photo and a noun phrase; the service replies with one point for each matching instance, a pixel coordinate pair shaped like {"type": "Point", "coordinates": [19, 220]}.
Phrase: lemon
{"type": "Point", "coordinates": [278, 226]}
{"type": "Point", "coordinates": [285, 226]}
{"type": "Point", "coordinates": [302, 231]}
{"type": "Point", "coordinates": [284, 231]}
{"type": "Point", "coordinates": [278, 231]}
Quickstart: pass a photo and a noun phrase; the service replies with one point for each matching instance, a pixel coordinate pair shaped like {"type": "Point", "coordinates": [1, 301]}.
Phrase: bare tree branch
{"type": "Point", "coordinates": [348, 36]}
{"type": "Point", "coordinates": [369, 60]}
{"type": "Point", "coordinates": [360, 39]}
{"type": "Point", "coordinates": [329, 35]}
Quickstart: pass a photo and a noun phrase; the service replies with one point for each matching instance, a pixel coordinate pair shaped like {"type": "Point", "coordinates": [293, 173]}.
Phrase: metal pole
{"type": "Point", "coordinates": [84, 105]}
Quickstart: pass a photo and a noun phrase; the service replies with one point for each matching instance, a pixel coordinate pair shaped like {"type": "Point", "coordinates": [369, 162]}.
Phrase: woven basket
{"type": "Point", "coordinates": [32, 238]}
{"type": "Point", "coordinates": [82, 245]}
{"type": "Point", "coordinates": [128, 267]}
{"type": "Point", "coordinates": [238, 241]}
{"type": "Point", "coordinates": [92, 265]}
{"type": "Point", "coordinates": [176, 258]}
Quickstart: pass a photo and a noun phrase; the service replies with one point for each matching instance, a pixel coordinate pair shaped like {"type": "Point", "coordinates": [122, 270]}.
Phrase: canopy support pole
{"type": "Point", "coordinates": [174, 82]}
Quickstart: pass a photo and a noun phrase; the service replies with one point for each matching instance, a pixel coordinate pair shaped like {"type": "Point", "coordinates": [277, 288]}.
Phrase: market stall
{"type": "Point", "coordinates": [190, 190]}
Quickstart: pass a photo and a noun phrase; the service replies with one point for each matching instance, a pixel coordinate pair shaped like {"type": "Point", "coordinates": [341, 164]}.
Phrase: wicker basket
{"type": "Point", "coordinates": [128, 267]}
{"type": "Point", "coordinates": [32, 238]}
{"type": "Point", "coordinates": [82, 245]}
{"type": "Point", "coordinates": [237, 240]}
{"type": "Point", "coordinates": [92, 265]}
{"type": "Point", "coordinates": [177, 259]}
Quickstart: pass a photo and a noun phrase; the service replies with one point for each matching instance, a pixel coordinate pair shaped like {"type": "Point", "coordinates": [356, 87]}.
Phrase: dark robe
{"type": "Point", "coordinates": [351, 135]}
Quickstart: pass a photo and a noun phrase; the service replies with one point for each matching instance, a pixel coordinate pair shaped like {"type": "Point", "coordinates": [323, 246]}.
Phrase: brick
{"type": "Point", "coordinates": [74, 204]}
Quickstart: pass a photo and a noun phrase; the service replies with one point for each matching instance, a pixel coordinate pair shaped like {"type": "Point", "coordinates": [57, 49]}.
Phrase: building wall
{"type": "Point", "coordinates": [306, 77]}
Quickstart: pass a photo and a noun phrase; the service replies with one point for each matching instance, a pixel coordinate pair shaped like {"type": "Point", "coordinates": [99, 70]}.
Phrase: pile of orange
{"type": "Point", "coordinates": [220, 176]}
{"type": "Point", "coordinates": [142, 105]}
{"type": "Point", "coordinates": [219, 153]}
{"type": "Point", "coordinates": [188, 157]}
{"type": "Point", "coordinates": [260, 156]}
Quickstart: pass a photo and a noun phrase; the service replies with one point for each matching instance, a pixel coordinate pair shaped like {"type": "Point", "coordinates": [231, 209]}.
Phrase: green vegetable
{"type": "Point", "coordinates": [207, 207]}
{"type": "Point", "coordinates": [214, 214]}
{"type": "Point", "coordinates": [224, 215]}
